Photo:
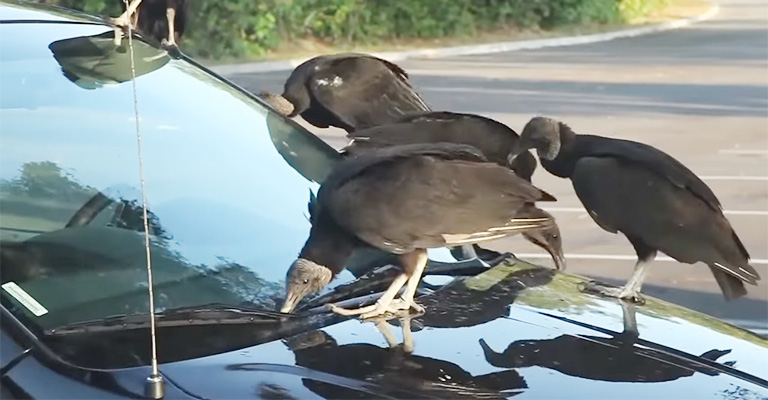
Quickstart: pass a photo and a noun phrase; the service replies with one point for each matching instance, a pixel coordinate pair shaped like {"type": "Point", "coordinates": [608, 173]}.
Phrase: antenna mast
{"type": "Point", "coordinates": [155, 385]}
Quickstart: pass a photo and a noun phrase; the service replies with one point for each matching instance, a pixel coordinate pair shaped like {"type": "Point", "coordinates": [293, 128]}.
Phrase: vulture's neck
{"type": "Point", "coordinates": [329, 245]}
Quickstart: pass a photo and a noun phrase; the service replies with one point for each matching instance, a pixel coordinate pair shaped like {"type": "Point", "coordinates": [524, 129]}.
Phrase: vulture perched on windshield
{"type": "Point", "coordinates": [404, 200]}
{"type": "Point", "coordinates": [650, 197]}
{"type": "Point", "coordinates": [495, 141]}
{"type": "Point", "coordinates": [161, 20]}
{"type": "Point", "coordinates": [348, 91]}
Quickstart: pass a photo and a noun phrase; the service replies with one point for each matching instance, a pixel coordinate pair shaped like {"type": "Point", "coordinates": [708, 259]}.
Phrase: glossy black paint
{"type": "Point", "coordinates": [514, 330]}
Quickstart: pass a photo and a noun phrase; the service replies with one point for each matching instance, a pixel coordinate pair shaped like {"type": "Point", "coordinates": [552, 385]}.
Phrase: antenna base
{"type": "Point", "coordinates": [155, 387]}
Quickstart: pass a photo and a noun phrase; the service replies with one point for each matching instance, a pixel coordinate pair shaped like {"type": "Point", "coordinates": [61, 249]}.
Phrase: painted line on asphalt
{"type": "Point", "coordinates": [272, 66]}
{"type": "Point", "coordinates": [750, 152]}
{"type": "Point", "coordinates": [733, 178]}
{"type": "Point", "coordinates": [613, 257]}
{"type": "Point", "coordinates": [759, 327]}
{"type": "Point", "coordinates": [726, 212]}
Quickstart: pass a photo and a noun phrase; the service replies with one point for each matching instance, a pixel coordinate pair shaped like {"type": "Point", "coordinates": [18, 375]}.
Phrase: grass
{"type": "Point", "coordinates": [307, 47]}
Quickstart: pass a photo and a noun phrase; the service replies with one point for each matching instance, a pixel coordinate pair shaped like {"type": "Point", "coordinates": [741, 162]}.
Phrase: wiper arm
{"type": "Point", "coordinates": [208, 314]}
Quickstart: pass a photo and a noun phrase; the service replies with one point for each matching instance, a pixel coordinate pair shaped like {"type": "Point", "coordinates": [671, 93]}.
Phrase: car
{"type": "Point", "coordinates": [228, 187]}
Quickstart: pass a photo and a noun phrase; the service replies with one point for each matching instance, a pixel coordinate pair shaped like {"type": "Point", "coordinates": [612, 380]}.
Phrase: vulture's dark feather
{"type": "Point", "coordinates": [625, 196]}
{"type": "Point", "coordinates": [153, 19]}
{"type": "Point", "coordinates": [428, 196]}
{"type": "Point", "coordinates": [647, 157]}
{"type": "Point", "coordinates": [494, 139]}
{"type": "Point", "coordinates": [164, 21]}
{"type": "Point", "coordinates": [653, 199]}
{"type": "Point", "coordinates": [404, 200]}
{"type": "Point", "coordinates": [351, 91]}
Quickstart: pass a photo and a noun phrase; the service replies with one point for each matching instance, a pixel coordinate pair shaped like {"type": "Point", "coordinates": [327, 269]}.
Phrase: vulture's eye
{"type": "Point", "coordinates": [305, 281]}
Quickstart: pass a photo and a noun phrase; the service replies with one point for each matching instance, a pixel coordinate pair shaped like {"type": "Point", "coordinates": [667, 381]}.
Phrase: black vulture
{"type": "Point", "coordinates": [161, 20]}
{"type": "Point", "coordinates": [403, 200]}
{"type": "Point", "coordinates": [494, 139]}
{"type": "Point", "coordinates": [650, 197]}
{"type": "Point", "coordinates": [349, 91]}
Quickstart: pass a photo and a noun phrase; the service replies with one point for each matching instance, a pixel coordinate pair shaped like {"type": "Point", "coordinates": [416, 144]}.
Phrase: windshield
{"type": "Point", "coordinates": [228, 182]}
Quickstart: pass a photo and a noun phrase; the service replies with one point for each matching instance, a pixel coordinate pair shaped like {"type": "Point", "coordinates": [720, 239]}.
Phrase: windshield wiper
{"type": "Point", "coordinates": [207, 314]}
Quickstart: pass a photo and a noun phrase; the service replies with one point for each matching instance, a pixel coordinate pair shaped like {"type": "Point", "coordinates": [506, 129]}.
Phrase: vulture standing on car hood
{"type": "Point", "coordinates": [348, 91]}
{"type": "Point", "coordinates": [653, 199]}
{"type": "Point", "coordinates": [162, 20]}
{"type": "Point", "coordinates": [403, 200]}
{"type": "Point", "coordinates": [494, 140]}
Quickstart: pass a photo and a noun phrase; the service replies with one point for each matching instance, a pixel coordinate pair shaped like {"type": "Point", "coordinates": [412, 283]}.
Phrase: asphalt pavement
{"type": "Point", "coordinates": [699, 94]}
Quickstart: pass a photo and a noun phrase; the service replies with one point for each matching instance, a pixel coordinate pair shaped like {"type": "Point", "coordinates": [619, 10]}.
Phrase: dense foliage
{"type": "Point", "coordinates": [239, 27]}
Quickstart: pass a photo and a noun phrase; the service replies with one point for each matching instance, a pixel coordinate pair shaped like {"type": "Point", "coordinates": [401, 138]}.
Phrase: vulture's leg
{"type": "Point", "coordinates": [630, 291]}
{"type": "Point", "coordinates": [124, 21]}
{"type": "Point", "coordinates": [418, 260]}
{"type": "Point", "coordinates": [170, 13]}
{"type": "Point", "coordinates": [381, 304]}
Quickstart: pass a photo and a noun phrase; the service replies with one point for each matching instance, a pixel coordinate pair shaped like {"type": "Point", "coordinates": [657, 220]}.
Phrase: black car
{"type": "Point", "coordinates": [228, 184]}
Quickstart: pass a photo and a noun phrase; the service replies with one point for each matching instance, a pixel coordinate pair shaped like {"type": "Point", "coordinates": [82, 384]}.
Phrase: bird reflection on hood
{"type": "Point", "coordinates": [616, 358]}
{"type": "Point", "coordinates": [92, 62]}
{"type": "Point", "coordinates": [396, 371]}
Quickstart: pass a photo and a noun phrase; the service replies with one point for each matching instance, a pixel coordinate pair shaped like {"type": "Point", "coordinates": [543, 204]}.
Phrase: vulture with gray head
{"type": "Point", "coordinates": [404, 200]}
{"type": "Point", "coordinates": [494, 140]}
{"type": "Point", "coordinates": [348, 91]}
{"type": "Point", "coordinates": [650, 197]}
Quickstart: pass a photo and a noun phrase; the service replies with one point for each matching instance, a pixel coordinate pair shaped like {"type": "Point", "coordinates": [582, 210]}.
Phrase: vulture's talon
{"type": "Point", "coordinates": [635, 298]}
{"type": "Point", "coordinates": [606, 290]}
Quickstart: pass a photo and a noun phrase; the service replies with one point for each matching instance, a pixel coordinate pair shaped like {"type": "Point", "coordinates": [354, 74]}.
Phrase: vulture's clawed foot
{"type": "Point", "coordinates": [381, 310]}
{"type": "Point", "coordinates": [122, 23]}
{"type": "Point", "coordinates": [169, 44]}
{"type": "Point", "coordinates": [604, 289]}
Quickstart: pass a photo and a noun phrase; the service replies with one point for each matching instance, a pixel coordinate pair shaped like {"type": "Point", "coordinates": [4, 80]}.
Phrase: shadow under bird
{"type": "Point", "coordinates": [650, 197]}
{"type": "Point", "coordinates": [161, 20]}
{"type": "Point", "coordinates": [495, 141]}
{"type": "Point", "coordinates": [348, 91]}
{"type": "Point", "coordinates": [404, 200]}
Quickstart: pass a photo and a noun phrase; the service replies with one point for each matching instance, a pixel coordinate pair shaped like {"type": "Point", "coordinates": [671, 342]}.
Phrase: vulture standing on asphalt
{"type": "Point", "coordinates": [162, 20]}
{"type": "Point", "coordinates": [653, 199]}
{"type": "Point", "coordinates": [348, 91]}
{"type": "Point", "coordinates": [494, 140]}
{"type": "Point", "coordinates": [403, 200]}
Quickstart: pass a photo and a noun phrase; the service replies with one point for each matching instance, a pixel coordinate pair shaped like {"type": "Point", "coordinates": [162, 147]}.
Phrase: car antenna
{"type": "Point", "coordinates": [155, 385]}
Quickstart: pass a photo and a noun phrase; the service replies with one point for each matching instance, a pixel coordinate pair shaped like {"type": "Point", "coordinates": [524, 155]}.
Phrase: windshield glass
{"type": "Point", "coordinates": [228, 182]}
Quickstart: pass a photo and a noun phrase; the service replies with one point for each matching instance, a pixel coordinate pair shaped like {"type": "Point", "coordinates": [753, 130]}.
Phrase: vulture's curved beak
{"type": "Point", "coordinates": [290, 303]}
{"type": "Point", "coordinates": [516, 151]}
{"type": "Point", "coordinates": [559, 260]}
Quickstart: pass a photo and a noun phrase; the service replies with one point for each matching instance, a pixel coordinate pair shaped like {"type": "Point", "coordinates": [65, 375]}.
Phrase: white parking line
{"type": "Point", "coordinates": [750, 152]}
{"type": "Point", "coordinates": [615, 257]}
{"type": "Point", "coordinates": [726, 212]}
{"type": "Point", "coordinates": [733, 178]}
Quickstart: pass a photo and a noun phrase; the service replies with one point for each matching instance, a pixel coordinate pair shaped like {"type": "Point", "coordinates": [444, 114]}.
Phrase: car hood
{"type": "Point", "coordinates": [515, 329]}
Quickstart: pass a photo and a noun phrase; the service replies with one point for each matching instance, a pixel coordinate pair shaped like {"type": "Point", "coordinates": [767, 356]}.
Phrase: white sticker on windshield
{"type": "Point", "coordinates": [25, 299]}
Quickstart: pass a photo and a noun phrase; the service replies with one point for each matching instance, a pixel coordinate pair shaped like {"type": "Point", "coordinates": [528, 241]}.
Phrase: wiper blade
{"type": "Point", "coordinates": [208, 314]}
